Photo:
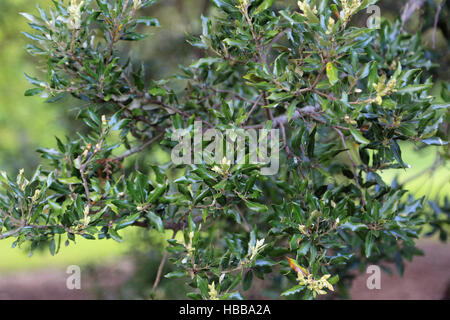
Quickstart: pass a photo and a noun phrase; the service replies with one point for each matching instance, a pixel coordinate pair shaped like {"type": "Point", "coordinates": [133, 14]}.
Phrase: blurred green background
{"type": "Point", "coordinates": [27, 123]}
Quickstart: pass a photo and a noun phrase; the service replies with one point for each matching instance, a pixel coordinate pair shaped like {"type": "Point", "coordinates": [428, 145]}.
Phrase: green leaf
{"type": "Point", "coordinates": [159, 173]}
{"type": "Point", "coordinates": [133, 36]}
{"type": "Point", "coordinates": [227, 111]}
{"type": "Point", "coordinates": [157, 92]}
{"type": "Point", "coordinates": [33, 92]}
{"type": "Point", "coordinates": [291, 110]}
{"type": "Point", "coordinates": [202, 195]}
{"type": "Point", "coordinates": [369, 244]}
{"type": "Point", "coordinates": [312, 18]}
{"type": "Point", "coordinates": [176, 274]}
{"type": "Point", "coordinates": [357, 135]}
{"type": "Point", "coordinates": [414, 88]}
{"type": "Point", "coordinates": [397, 153]}
{"type": "Point", "coordinates": [194, 296]}
{"type": "Point", "coordinates": [31, 18]}
{"type": "Point", "coordinates": [353, 226]}
{"type": "Point", "coordinates": [156, 194]}
{"type": "Point", "coordinates": [128, 221]}
{"type": "Point", "coordinates": [204, 174]}
{"type": "Point", "coordinates": [247, 282]}
{"type": "Point", "coordinates": [334, 279]}
{"type": "Point", "coordinates": [311, 143]}
{"type": "Point", "coordinates": [55, 206]}
{"type": "Point", "coordinates": [191, 223]}
{"type": "Point", "coordinates": [52, 247]}
{"type": "Point", "coordinates": [277, 96]}
{"type": "Point", "coordinates": [34, 36]}
{"type": "Point", "coordinates": [103, 7]}
{"type": "Point", "coordinates": [257, 207]}
{"type": "Point", "coordinates": [436, 141]}
{"type": "Point", "coordinates": [236, 43]}
{"type": "Point", "coordinates": [34, 81]}
{"type": "Point", "coordinates": [71, 180]}
{"type": "Point", "coordinates": [202, 284]}
{"type": "Point", "coordinates": [266, 4]}
{"type": "Point", "coordinates": [373, 75]}
{"type": "Point", "coordinates": [293, 290]}
{"type": "Point", "coordinates": [332, 73]}
{"type": "Point", "coordinates": [115, 235]}
{"type": "Point", "coordinates": [223, 4]}
{"type": "Point", "coordinates": [98, 215]}
{"type": "Point", "coordinates": [204, 62]}
{"type": "Point", "coordinates": [149, 22]}
{"type": "Point", "coordinates": [156, 221]}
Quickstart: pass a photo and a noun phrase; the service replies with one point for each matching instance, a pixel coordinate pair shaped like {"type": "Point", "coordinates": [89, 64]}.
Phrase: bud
{"type": "Point", "coordinates": [137, 4]}
{"type": "Point", "coordinates": [330, 26]}
{"type": "Point", "coordinates": [87, 219]}
{"type": "Point", "coordinates": [258, 247]}
{"type": "Point", "coordinates": [190, 249]}
{"type": "Point", "coordinates": [223, 169]}
{"type": "Point", "coordinates": [379, 100]}
{"type": "Point", "coordinates": [86, 211]}
{"type": "Point", "coordinates": [226, 164]}
{"type": "Point", "coordinates": [302, 228]}
{"type": "Point", "coordinates": [217, 170]}
{"type": "Point", "coordinates": [349, 8]}
{"type": "Point", "coordinates": [74, 20]}
{"type": "Point", "coordinates": [305, 7]}
{"type": "Point", "coordinates": [212, 291]}
{"type": "Point", "coordinates": [21, 181]}
{"type": "Point", "coordinates": [36, 195]}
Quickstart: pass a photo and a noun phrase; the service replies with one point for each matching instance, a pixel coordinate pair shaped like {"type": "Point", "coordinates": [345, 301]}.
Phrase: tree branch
{"type": "Point", "coordinates": [11, 233]}
{"type": "Point", "coordinates": [139, 148]}
{"type": "Point", "coordinates": [281, 120]}
{"type": "Point", "coordinates": [160, 270]}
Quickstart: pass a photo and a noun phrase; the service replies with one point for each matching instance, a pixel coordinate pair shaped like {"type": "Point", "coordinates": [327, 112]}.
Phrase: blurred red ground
{"type": "Point", "coordinates": [425, 278]}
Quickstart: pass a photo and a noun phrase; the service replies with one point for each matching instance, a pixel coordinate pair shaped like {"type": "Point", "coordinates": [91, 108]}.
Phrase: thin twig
{"type": "Point", "coordinates": [11, 233]}
{"type": "Point", "coordinates": [253, 108]}
{"type": "Point", "coordinates": [175, 110]}
{"type": "Point", "coordinates": [277, 37]}
{"type": "Point", "coordinates": [410, 7]}
{"type": "Point", "coordinates": [160, 270]}
{"type": "Point", "coordinates": [138, 149]}
{"type": "Point", "coordinates": [355, 172]}
{"type": "Point", "coordinates": [245, 223]}
{"type": "Point", "coordinates": [436, 20]}
{"type": "Point", "coordinates": [280, 120]}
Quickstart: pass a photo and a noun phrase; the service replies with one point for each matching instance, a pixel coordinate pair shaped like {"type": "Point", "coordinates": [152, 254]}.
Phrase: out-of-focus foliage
{"type": "Point", "coordinates": [25, 123]}
{"type": "Point", "coordinates": [344, 98]}
{"type": "Point", "coordinates": [28, 123]}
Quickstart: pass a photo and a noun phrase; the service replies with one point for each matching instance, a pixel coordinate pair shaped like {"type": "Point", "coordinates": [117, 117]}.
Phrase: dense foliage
{"type": "Point", "coordinates": [342, 97]}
